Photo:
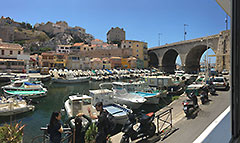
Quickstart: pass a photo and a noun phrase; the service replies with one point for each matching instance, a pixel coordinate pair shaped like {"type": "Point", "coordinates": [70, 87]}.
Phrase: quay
{"type": "Point", "coordinates": [181, 127]}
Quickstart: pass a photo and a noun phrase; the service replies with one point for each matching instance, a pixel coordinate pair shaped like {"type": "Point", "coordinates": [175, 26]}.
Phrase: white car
{"type": "Point", "coordinates": [225, 72]}
{"type": "Point", "coordinates": [221, 83]}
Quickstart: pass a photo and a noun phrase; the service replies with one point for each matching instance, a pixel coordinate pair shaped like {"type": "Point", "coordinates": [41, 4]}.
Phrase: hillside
{"type": "Point", "coordinates": [41, 37]}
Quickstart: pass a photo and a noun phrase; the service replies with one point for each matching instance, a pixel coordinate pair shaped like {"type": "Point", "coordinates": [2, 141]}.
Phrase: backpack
{"type": "Point", "coordinates": [110, 124]}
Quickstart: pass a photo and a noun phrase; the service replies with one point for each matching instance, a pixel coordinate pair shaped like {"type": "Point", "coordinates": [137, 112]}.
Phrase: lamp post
{"type": "Point", "coordinates": [185, 33]}
{"type": "Point", "coordinates": [207, 58]}
{"type": "Point", "coordinates": [226, 21]}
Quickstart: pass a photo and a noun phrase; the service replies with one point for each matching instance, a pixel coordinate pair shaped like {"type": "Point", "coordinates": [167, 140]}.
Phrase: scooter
{"type": "Point", "coordinates": [146, 127]}
{"type": "Point", "coordinates": [190, 105]}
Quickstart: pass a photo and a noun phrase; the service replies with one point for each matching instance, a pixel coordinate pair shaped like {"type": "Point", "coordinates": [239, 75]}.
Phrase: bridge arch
{"type": "Point", "coordinates": [153, 60]}
{"type": "Point", "coordinates": [193, 57]}
{"type": "Point", "coordinates": [169, 61]}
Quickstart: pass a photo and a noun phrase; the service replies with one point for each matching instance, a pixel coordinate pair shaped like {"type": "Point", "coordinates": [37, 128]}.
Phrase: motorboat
{"type": "Point", "coordinates": [133, 101]}
{"type": "Point", "coordinates": [11, 106]}
{"type": "Point", "coordinates": [120, 112]}
{"type": "Point", "coordinates": [25, 89]}
{"type": "Point", "coordinates": [80, 103]}
{"type": "Point", "coordinates": [120, 95]}
{"type": "Point", "coordinates": [139, 90]}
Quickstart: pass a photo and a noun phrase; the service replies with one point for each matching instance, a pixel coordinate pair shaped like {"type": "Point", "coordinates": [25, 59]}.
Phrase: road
{"type": "Point", "coordinates": [190, 129]}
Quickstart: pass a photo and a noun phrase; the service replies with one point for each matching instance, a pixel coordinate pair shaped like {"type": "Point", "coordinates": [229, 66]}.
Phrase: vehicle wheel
{"type": "Point", "coordinates": [124, 139]}
{"type": "Point", "coordinates": [187, 113]}
{"type": "Point", "coordinates": [203, 100]}
{"type": "Point", "coordinates": [152, 130]}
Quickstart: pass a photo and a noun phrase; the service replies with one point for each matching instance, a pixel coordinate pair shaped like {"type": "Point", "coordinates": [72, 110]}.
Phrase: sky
{"type": "Point", "coordinates": [141, 19]}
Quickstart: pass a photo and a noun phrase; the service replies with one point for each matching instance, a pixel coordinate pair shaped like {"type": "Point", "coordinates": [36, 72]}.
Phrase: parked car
{"type": "Point", "coordinates": [221, 83]}
{"type": "Point", "coordinates": [225, 72]}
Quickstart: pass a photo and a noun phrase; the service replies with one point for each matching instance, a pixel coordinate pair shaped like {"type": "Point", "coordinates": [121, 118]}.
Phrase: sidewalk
{"type": "Point", "coordinates": [177, 115]}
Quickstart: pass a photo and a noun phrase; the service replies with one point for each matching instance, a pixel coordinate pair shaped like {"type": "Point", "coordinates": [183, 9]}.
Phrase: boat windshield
{"type": "Point", "coordinates": [86, 101]}
{"type": "Point", "coordinates": [17, 84]}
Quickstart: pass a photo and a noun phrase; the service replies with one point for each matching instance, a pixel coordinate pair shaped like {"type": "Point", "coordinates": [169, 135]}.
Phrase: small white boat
{"type": "Point", "coordinates": [138, 90]}
{"type": "Point", "coordinates": [121, 96]}
{"type": "Point", "coordinates": [25, 89]}
{"type": "Point", "coordinates": [71, 80]}
{"type": "Point", "coordinates": [11, 106]}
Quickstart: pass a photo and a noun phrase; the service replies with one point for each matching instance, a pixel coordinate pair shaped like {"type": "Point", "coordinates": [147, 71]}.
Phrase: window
{"type": "Point", "coordinates": [19, 52]}
{"type": "Point", "coordinates": [137, 45]}
{"type": "Point", "coordinates": [137, 55]}
{"type": "Point", "coordinates": [137, 50]}
{"type": "Point", "coordinates": [2, 52]}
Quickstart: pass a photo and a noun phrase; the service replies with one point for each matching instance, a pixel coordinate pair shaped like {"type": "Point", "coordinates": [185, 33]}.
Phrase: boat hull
{"type": "Point", "coordinates": [15, 111]}
{"type": "Point", "coordinates": [23, 93]}
{"type": "Point", "coordinates": [130, 104]}
{"type": "Point", "coordinates": [70, 81]}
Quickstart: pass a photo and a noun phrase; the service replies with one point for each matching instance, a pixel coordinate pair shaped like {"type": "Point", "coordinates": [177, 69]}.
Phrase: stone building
{"type": "Point", "coordinates": [115, 35]}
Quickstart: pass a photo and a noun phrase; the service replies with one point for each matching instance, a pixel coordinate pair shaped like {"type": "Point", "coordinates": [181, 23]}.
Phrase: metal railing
{"type": "Point", "coordinates": [164, 123]}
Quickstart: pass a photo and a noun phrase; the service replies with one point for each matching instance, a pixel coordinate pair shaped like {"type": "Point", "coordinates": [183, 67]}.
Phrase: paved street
{"type": "Point", "coordinates": [190, 129]}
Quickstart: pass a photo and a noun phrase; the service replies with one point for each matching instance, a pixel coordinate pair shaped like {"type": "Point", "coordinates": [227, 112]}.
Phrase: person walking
{"type": "Point", "coordinates": [101, 136]}
{"type": "Point", "coordinates": [55, 128]}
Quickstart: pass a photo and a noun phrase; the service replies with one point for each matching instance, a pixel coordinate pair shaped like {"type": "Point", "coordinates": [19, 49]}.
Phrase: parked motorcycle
{"type": "Point", "coordinates": [212, 90]}
{"type": "Point", "coordinates": [146, 127]}
{"type": "Point", "coordinates": [204, 97]}
{"type": "Point", "coordinates": [190, 105]}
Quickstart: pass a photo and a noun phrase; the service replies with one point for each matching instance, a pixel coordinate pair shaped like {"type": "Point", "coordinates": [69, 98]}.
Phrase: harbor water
{"type": "Point", "coordinates": [54, 101]}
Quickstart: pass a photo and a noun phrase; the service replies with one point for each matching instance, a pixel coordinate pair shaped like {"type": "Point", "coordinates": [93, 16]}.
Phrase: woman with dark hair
{"type": "Point", "coordinates": [55, 128]}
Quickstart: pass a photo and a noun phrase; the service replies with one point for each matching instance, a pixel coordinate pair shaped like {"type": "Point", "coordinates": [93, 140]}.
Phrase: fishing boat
{"type": "Point", "coordinates": [25, 89]}
{"type": "Point", "coordinates": [120, 112]}
{"type": "Point", "coordinates": [11, 106]}
{"type": "Point", "coordinates": [80, 103]}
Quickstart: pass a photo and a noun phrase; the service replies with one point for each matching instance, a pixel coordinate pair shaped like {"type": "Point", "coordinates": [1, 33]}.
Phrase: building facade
{"type": "Point", "coordinates": [9, 56]}
{"type": "Point", "coordinates": [139, 50]}
{"type": "Point", "coordinates": [63, 49]}
{"type": "Point", "coordinates": [115, 35]}
{"type": "Point", "coordinates": [96, 63]}
{"type": "Point", "coordinates": [47, 59]}
{"type": "Point", "coordinates": [60, 60]}
{"type": "Point", "coordinates": [116, 62]}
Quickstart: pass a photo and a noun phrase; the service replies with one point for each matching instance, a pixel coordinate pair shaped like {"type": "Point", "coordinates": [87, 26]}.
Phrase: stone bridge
{"type": "Point", "coordinates": [190, 52]}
